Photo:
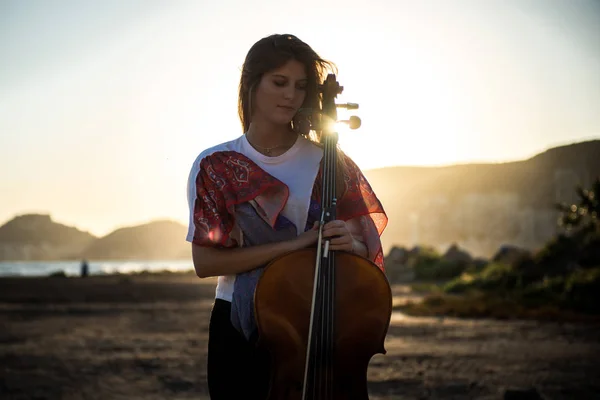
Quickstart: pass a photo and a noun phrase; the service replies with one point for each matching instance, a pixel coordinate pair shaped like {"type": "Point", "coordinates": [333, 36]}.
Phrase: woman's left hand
{"type": "Point", "coordinates": [339, 235]}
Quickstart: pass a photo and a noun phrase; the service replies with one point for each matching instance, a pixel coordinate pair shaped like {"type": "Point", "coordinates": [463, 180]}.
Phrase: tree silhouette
{"type": "Point", "coordinates": [583, 216]}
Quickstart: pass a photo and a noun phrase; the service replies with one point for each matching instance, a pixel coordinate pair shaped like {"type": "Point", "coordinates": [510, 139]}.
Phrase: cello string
{"type": "Point", "coordinates": [326, 308]}
{"type": "Point", "coordinates": [320, 355]}
{"type": "Point", "coordinates": [318, 327]}
{"type": "Point", "coordinates": [317, 366]}
{"type": "Point", "coordinates": [323, 361]}
{"type": "Point", "coordinates": [311, 326]}
{"type": "Point", "coordinates": [324, 292]}
{"type": "Point", "coordinates": [312, 345]}
{"type": "Point", "coordinates": [319, 338]}
{"type": "Point", "coordinates": [330, 268]}
{"type": "Point", "coordinates": [333, 270]}
{"type": "Point", "coordinates": [313, 319]}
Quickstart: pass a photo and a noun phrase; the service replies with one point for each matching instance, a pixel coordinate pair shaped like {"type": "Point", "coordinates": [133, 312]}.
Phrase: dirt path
{"type": "Point", "coordinates": [465, 359]}
{"type": "Point", "coordinates": [147, 340]}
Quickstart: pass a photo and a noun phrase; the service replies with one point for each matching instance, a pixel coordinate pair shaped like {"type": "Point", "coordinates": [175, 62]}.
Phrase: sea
{"type": "Point", "coordinates": [73, 268]}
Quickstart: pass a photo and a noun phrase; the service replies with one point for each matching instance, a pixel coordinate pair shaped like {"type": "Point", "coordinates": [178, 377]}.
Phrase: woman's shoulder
{"type": "Point", "coordinates": [229, 146]}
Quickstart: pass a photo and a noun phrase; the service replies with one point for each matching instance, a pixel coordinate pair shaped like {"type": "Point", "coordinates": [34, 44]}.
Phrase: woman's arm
{"type": "Point", "coordinates": [211, 261]}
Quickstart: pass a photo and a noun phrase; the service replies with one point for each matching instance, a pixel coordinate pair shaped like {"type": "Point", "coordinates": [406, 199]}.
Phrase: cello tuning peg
{"type": "Point", "coordinates": [348, 106]}
{"type": "Point", "coordinates": [353, 123]}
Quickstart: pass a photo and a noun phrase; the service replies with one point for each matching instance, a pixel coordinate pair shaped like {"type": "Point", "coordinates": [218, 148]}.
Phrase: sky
{"type": "Point", "coordinates": [104, 105]}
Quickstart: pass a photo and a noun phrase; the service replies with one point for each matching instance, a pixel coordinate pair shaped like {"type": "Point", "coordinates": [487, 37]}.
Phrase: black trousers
{"type": "Point", "coordinates": [236, 368]}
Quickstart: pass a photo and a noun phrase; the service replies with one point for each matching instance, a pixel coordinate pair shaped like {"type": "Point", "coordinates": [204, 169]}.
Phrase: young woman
{"type": "Point", "coordinates": [256, 197]}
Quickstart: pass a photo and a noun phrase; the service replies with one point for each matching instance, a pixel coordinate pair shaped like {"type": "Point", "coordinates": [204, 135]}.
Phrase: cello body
{"type": "Point", "coordinates": [363, 306]}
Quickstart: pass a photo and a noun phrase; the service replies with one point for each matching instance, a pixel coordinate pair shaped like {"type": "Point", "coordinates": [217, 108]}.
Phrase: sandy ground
{"type": "Point", "coordinates": [145, 338]}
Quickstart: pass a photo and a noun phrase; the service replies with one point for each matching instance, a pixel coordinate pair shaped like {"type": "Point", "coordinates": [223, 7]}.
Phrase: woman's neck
{"type": "Point", "coordinates": [268, 135]}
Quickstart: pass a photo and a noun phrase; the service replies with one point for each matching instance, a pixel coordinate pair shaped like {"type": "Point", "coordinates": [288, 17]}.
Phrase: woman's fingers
{"type": "Point", "coordinates": [335, 232]}
{"type": "Point", "coordinates": [336, 228]}
{"type": "Point", "coordinates": [345, 246]}
{"type": "Point", "coordinates": [340, 241]}
{"type": "Point", "coordinates": [338, 235]}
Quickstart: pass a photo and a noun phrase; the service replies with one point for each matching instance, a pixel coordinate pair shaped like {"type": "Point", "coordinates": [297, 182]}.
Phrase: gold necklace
{"type": "Point", "coordinates": [267, 150]}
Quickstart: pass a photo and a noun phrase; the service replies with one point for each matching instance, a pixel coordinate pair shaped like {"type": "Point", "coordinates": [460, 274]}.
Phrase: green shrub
{"type": "Point", "coordinates": [558, 253]}
{"type": "Point", "coordinates": [462, 284]}
{"type": "Point", "coordinates": [429, 265]}
{"type": "Point", "coordinates": [582, 290]}
{"type": "Point", "coordinates": [440, 270]}
{"type": "Point", "coordinates": [590, 252]}
{"type": "Point", "coordinates": [547, 292]}
{"type": "Point", "coordinates": [496, 277]}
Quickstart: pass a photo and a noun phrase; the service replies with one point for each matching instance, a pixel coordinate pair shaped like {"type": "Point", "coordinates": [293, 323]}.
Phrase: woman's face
{"type": "Point", "coordinates": [280, 94]}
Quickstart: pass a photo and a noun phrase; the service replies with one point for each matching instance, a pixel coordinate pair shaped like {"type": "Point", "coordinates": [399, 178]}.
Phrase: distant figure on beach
{"type": "Point", "coordinates": [85, 269]}
{"type": "Point", "coordinates": [256, 197]}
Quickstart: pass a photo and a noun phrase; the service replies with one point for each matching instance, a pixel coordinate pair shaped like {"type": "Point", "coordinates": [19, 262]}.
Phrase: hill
{"type": "Point", "coordinates": [482, 206]}
{"type": "Point", "coordinates": [152, 241]}
{"type": "Point", "coordinates": [38, 237]}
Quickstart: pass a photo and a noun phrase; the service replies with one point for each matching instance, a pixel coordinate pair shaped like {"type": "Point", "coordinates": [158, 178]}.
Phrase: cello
{"type": "Point", "coordinates": [322, 314]}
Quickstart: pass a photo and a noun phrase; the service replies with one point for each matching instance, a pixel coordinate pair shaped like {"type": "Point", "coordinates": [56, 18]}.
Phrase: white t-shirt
{"type": "Point", "coordinates": [297, 168]}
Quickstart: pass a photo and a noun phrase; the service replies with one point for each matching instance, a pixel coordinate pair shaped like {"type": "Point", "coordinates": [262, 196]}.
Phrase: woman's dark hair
{"type": "Point", "coordinates": [273, 52]}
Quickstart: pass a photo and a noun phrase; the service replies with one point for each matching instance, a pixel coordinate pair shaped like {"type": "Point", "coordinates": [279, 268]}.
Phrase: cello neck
{"type": "Point", "coordinates": [329, 139]}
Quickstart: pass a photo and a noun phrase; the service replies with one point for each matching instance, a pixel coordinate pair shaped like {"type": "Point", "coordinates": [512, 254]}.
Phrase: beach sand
{"type": "Point", "coordinates": [145, 336]}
